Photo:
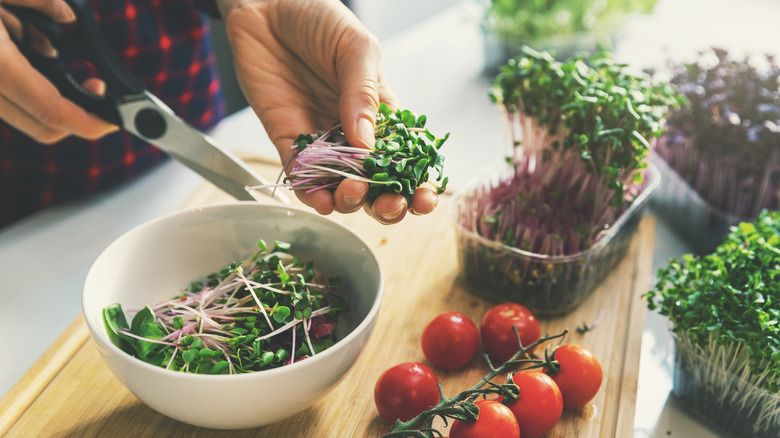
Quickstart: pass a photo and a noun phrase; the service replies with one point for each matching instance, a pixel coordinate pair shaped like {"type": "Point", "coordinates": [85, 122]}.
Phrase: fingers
{"type": "Point", "coordinates": [95, 85]}
{"type": "Point", "coordinates": [390, 209]}
{"type": "Point", "coordinates": [58, 10]}
{"type": "Point", "coordinates": [32, 104]}
{"type": "Point", "coordinates": [21, 120]}
{"type": "Point", "coordinates": [350, 195]}
{"type": "Point", "coordinates": [357, 64]}
{"type": "Point", "coordinates": [321, 200]}
{"type": "Point", "coordinates": [387, 208]}
{"type": "Point", "coordinates": [424, 201]}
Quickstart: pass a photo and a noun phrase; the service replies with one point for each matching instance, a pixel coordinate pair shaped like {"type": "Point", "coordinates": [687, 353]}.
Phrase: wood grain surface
{"type": "Point", "coordinates": [70, 392]}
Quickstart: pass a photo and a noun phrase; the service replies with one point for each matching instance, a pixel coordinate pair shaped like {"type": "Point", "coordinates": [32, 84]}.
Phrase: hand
{"type": "Point", "coordinates": [28, 101]}
{"type": "Point", "coordinates": [303, 66]}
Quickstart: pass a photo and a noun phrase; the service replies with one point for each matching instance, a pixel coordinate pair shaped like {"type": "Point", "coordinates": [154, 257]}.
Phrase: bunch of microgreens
{"type": "Point", "coordinates": [581, 132]}
{"type": "Point", "coordinates": [726, 143]}
{"type": "Point", "coordinates": [403, 155]}
{"type": "Point", "coordinates": [462, 406]}
{"type": "Point", "coordinates": [267, 311]}
{"type": "Point", "coordinates": [725, 308]}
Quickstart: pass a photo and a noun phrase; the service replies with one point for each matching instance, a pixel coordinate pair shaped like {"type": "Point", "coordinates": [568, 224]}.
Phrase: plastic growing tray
{"type": "Point", "coordinates": [700, 225]}
{"type": "Point", "coordinates": [723, 399]}
{"type": "Point", "coordinates": [547, 285]}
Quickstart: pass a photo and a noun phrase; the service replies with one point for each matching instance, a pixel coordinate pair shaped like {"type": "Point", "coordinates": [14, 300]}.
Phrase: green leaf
{"type": "Point", "coordinates": [145, 316]}
{"type": "Point", "coordinates": [207, 353]}
{"type": "Point", "coordinates": [151, 331]}
{"type": "Point", "coordinates": [114, 320]}
{"type": "Point", "coordinates": [281, 246]}
{"type": "Point", "coordinates": [189, 355]}
{"type": "Point", "coordinates": [220, 367]}
{"type": "Point", "coordinates": [281, 314]}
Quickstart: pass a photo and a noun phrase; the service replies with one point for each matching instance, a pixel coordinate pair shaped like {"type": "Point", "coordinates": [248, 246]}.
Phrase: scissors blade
{"type": "Point", "coordinates": [150, 119]}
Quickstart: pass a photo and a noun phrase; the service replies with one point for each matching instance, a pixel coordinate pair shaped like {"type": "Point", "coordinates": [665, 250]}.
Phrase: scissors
{"type": "Point", "coordinates": [127, 103]}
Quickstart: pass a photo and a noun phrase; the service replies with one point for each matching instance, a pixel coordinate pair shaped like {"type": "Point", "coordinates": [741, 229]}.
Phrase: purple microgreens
{"type": "Point", "coordinates": [227, 322]}
{"type": "Point", "coordinates": [404, 154]}
{"type": "Point", "coordinates": [581, 132]}
{"type": "Point", "coordinates": [726, 143]}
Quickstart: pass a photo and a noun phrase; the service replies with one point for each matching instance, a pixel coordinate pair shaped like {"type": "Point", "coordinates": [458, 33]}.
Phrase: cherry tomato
{"type": "Point", "coordinates": [499, 339]}
{"type": "Point", "coordinates": [580, 376]}
{"type": "Point", "coordinates": [450, 340]}
{"type": "Point", "coordinates": [539, 405]}
{"type": "Point", "coordinates": [495, 421]}
{"type": "Point", "coordinates": [406, 390]}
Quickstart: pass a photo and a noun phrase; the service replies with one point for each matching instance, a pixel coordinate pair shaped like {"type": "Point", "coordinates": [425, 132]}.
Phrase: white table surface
{"type": "Point", "coordinates": [435, 68]}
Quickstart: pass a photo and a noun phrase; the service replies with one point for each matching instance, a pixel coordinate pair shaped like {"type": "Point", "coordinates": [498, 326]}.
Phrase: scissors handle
{"type": "Point", "coordinates": [85, 40]}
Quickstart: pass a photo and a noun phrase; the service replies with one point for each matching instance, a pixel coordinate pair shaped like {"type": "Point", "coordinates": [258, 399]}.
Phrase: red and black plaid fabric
{"type": "Point", "coordinates": [164, 43]}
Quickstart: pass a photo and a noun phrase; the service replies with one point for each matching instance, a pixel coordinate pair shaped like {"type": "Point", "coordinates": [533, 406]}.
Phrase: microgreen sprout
{"type": "Point", "coordinates": [462, 406]}
{"type": "Point", "coordinates": [581, 130]}
{"type": "Point", "coordinates": [267, 311]}
{"type": "Point", "coordinates": [404, 154]}
{"type": "Point", "coordinates": [725, 308]}
{"type": "Point", "coordinates": [726, 143]}
{"type": "Point", "coordinates": [585, 327]}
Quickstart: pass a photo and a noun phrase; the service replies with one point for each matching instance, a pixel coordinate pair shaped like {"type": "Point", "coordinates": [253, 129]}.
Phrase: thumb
{"type": "Point", "coordinates": [358, 73]}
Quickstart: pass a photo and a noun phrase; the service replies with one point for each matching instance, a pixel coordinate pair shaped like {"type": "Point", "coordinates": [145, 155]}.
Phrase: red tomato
{"type": "Point", "coordinates": [539, 405]}
{"type": "Point", "coordinates": [499, 339]}
{"type": "Point", "coordinates": [450, 340]}
{"type": "Point", "coordinates": [580, 376]}
{"type": "Point", "coordinates": [406, 390]}
{"type": "Point", "coordinates": [495, 421]}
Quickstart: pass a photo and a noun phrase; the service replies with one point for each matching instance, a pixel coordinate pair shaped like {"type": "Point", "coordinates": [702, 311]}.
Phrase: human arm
{"type": "Point", "coordinates": [28, 101]}
{"type": "Point", "coordinates": [304, 66]}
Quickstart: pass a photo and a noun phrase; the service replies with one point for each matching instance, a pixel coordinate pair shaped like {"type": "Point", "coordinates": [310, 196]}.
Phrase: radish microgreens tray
{"type": "Point", "coordinates": [269, 310]}
{"type": "Point", "coordinates": [581, 131]}
{"type": "Point", "coordinates": [404, 154]}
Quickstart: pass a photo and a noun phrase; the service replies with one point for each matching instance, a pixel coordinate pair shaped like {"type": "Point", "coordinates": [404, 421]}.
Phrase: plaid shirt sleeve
{"type": "Point", "coordinates": [165, 43]}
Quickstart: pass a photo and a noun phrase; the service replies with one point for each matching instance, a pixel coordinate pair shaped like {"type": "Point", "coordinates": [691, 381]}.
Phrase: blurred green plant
{"type": "Point", "coordinates": [517, 22]}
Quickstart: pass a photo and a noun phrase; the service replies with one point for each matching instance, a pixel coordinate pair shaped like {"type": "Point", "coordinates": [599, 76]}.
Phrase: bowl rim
{"type": "Point", "coordinates": [368, 321]}
{"type": "Point", "coordinates": [653, 178]}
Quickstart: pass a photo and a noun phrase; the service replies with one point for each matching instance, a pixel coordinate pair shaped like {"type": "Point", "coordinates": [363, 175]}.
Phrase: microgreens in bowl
{"type": "Point", "coordinates": [725, 308]}
{"type": "Point", "coordinates": [726, 143]}
{"type": "Point", "coordinates": [269, 310]}
{"type": "Point", "coordinates": [404, 154]}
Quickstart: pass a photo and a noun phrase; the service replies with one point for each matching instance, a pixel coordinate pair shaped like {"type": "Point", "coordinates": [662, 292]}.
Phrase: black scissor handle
{"type": "Point", "coordinates": [82, 39]}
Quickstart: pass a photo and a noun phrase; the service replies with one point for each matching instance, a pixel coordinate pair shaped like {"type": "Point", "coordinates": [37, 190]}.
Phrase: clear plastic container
{"type": "Point", "coordinates": [700, 225]}
{"type": "Point", "coordinates": [547, 285]}
{"type": "Point", "coordinates": [723, 399]}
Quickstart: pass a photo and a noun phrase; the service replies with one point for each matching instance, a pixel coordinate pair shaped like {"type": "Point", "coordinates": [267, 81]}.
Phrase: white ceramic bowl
{"type": "Point", "coordinates": [156, 260]}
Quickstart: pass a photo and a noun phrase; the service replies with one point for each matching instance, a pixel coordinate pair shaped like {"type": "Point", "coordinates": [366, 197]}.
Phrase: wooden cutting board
{"type": "Point", "coordinates": [70, 392]}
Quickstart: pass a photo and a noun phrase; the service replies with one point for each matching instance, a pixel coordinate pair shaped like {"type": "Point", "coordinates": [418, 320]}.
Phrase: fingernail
{"type": "Point", "coordinates": [100, 88]}
{"type": "Point", "coordinates": [352, 200]}
{"type": "Point", "coordinates": [64, 14]}
{"type": "Point", "coordinates": [365, 131]}
{"type": "Point", "coordinates": [393, 215]}
{"type": "Point", "coordinates": [433, 197]}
